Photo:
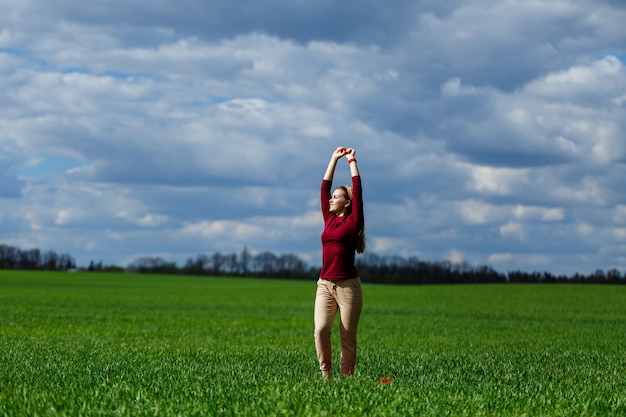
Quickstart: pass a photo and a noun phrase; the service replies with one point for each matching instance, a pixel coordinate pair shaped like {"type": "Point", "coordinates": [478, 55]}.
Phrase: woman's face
{"type": "Point", "coordinates": [339, 202]}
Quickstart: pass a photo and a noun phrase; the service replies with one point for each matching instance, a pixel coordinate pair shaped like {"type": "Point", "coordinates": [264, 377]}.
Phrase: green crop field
{"type": "Point", "coordinates": [80, 344]}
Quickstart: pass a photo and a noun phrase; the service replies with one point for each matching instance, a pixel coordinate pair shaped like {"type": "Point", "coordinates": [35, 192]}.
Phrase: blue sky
{"type": "Point", "coordinates": [487, 131]}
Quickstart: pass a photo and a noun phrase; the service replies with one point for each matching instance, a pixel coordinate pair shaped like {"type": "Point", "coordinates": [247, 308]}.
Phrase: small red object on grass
{"type": "Point", "coordinates": [387, 380]}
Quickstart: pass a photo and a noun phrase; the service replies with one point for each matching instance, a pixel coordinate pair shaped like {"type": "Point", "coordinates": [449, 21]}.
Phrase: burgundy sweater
{"type": "Point", "coordinates": [339, 238]}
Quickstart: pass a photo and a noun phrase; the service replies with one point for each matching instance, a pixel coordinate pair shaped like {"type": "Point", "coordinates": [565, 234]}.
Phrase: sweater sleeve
{"type": "Point", "coordinates": [357, 201]}
{"type": "Point", "coordinates": [325, 196]}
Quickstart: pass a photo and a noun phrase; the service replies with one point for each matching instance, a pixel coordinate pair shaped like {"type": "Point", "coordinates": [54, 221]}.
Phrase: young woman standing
{"type": "Point", "coordinates": [339, 285]}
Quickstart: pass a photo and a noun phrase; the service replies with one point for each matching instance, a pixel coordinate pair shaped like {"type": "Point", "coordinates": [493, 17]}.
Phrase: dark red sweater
{"type": "Point", "coordinates": [339, 238]}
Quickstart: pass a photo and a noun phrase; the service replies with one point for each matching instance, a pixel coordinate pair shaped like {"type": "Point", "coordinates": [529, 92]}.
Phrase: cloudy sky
{"type": "Point", "coordinates": [487, 131]}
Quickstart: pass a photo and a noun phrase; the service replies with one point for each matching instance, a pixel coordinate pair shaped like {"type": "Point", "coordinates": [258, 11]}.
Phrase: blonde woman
{"type": "Point", "coordinates": [339, 285]}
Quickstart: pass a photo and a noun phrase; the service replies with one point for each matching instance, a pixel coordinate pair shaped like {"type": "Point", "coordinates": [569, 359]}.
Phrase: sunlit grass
{"type": "Point", "coordinates": [97, 344]}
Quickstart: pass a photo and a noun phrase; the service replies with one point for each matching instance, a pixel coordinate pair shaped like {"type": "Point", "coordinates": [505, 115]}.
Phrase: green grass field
{"type": "Point", "coordinates": [136, 345]}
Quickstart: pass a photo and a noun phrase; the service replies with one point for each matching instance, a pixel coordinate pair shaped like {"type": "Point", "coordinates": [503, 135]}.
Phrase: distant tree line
{"type": "Point", "coordinates": [395, 269]}
{"type": "Point", "coordinates": [262, 265]}
{"type": "Point", "coordinates": [373, 268]}
{"type": "Point", "coordinates": [12, 257]}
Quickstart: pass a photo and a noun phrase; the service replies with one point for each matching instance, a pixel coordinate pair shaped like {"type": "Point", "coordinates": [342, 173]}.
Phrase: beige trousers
{"type": "Point", "coordinates": [347, 296]}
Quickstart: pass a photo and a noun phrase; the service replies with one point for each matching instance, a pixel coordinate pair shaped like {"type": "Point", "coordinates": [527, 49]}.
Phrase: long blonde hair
{"type": "Point", "coordinates": [360, 236]}
{"type": "Point", "coordinates": [360, 239]}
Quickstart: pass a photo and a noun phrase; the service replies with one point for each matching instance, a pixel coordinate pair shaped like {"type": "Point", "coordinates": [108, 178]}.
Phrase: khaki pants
{"type": "Point", "coordinates": [347, 296]}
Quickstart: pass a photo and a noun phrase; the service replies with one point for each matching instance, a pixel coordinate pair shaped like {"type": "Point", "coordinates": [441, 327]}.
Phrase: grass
{"type": "Point", "coordinates": [139, 345]}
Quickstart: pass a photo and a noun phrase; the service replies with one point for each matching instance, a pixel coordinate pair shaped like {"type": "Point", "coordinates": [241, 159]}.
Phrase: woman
{"type": "Point", "coordinates": [339, 285]}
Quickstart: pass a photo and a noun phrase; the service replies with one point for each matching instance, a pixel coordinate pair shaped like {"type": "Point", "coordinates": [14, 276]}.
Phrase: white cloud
{"type": "Point", "coordinates": [541, 213]}
{"type": "Point", "coordinates": [479, 212]}
{"type": "Point", "coordinates": [585, 229]}
{"type": "Point", "coordinates": [496, 180]}
{"type": "Point", "coordinates": [512, 229]}
{"type": "Point", "coordinates": [477, 125]}
{"type": "Point", "coordinates": [499, 258]}
{"type": "Point", "coordinates": [221, 229]}
{"type": "Point", "coordinates": [527, 262]}
{"type": "Point", "coordinates": [578, 78]}
{"type": "Point", "coordinates": [455, 256]}
{"type": "Point", "coordinates": [620, 234]}
{"type": "Point", "coordinates": [381, 244]}
{"type": "Point", "coordinates": [619, 215]}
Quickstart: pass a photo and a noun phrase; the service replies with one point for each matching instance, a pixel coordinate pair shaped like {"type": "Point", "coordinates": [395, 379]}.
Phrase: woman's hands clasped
{"type": "Point", "coordinates": [343, 151]}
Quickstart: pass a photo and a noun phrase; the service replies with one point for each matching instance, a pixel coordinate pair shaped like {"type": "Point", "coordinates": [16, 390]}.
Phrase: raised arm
{"type": "Point", "coordinates": [336, 156]}
{"type": "Point", "coordinates": [357, 189]}
{"type": "Point", "coordinates": [351, 156]}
